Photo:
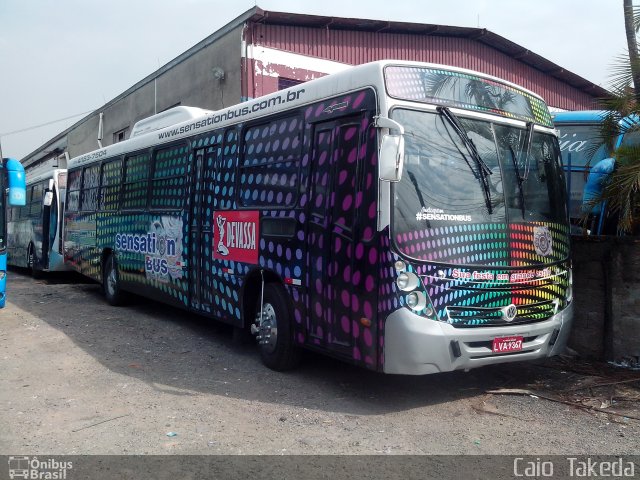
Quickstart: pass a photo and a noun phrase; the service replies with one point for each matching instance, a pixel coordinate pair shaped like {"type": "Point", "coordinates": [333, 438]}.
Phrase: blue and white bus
{"type": "Point", "coordinates": [35, 231]}
{"type": "Point", "coordinates": [581, 148]}
{"type": "Point", "coordinates": [12, 193]}
{"type": "Point", "coordinates": [405, 217]}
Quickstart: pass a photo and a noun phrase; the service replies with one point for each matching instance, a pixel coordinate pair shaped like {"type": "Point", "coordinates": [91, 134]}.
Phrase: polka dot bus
{"type": "Point", "coordinates": [405, 217]}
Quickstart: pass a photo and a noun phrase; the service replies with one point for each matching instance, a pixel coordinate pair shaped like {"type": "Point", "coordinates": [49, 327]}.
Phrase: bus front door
{"type": "Point", "coordinates": [331, 258]}
{"type": "Point", "coordinates": [49, 224]}
{"type": "Point", "coordinates": [201, 229]}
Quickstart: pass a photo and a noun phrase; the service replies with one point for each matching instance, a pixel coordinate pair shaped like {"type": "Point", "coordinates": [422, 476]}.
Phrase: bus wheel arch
{"type": "Point", "coordinates": [250, 294]}
{"type": "Point", "coordinates": [273, 325]}
{"type": "Point", "coordinates": [111, 279]}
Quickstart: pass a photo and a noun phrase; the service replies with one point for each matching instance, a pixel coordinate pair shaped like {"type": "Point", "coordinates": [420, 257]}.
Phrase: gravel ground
{"type": "Point", "coordinates": [81, 377]}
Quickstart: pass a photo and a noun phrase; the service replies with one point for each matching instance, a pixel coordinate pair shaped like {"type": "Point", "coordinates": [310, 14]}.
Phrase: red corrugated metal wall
{"type": "Point", "coordinates": [355, 47]}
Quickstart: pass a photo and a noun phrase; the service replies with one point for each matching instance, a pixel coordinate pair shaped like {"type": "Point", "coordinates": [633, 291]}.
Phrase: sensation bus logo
{"type": "Point", "coordinates": [439, 214]}
{"type": "Point", "coordinates": [161, 246]}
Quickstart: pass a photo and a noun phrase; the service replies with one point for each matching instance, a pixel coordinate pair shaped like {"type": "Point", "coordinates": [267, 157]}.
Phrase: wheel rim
{"type": "Point", "coordinates": [30, 259]}
{"type": "Point", "coordinates": [268, 328]}
{"type": "Point", "coordinates": [112, 280]}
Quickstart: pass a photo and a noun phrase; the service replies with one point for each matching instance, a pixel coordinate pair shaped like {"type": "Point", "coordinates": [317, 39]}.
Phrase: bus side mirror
{"type": "Point", "coordinates": [17, 183]}
{"type": "Point", "coordinates": [391, 156]}
{"type": "Point", "coordinates": [48, 194]}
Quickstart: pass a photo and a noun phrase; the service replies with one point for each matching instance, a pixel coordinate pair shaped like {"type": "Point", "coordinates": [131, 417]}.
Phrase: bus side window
{"type": "Point", "coordinates": [73, 190]}
{"type": "Point", "coordinates": [270, 167]}
{"type": "Point", "coordinates": [89, 196]}
{"type": "Point", "coordinates": [136, 182]}
{"type": "Point", "coordinates": [169, 180]}
{"type": "Point", "coordinates": [24, 211]}
{"type": "Point", "coordinates": [35, 204]}
{"type": "Point", "coordinates": [225, 169]}
{"type": "Point", "coordinates": [110, 182]}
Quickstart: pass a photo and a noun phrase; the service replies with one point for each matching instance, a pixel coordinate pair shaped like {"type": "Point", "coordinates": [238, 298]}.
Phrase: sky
{"type": "Point", "coordinates": [60, 59]}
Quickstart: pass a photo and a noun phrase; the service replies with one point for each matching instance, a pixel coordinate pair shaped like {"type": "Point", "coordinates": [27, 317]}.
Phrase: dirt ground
{"type": "Point", "coordinates": [81, 377]}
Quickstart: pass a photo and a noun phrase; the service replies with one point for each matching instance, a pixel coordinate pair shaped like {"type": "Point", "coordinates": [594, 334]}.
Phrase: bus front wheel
{"type": "Point", "coordinates": [111, 282]}
{"type": "Point", "coordinates": [274, 330]}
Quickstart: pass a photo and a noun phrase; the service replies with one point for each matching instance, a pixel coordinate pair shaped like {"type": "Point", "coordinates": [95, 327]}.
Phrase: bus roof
{"type": "Point", "coordinates": [172, 116]}
{"type": "Point", "coordinates": [38, 176]}
{"type": "Point", "coordinates": [579, 116]}
{"type": "Point", "coordinates": [348, 80]}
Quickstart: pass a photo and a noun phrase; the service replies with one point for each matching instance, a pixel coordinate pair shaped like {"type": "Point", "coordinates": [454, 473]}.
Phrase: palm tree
{"type": "Point", "coordinates": [622, 191]}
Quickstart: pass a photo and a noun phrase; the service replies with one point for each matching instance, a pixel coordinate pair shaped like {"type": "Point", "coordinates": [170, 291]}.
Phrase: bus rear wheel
{"type": "Point", "coordinates": [274, 330]}
{"type": "Point", "coordinates": [111, 282]}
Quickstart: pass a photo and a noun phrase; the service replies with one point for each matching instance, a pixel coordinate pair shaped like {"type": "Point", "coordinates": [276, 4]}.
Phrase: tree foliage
{"type": "Point", "coordinates": [622, 107]}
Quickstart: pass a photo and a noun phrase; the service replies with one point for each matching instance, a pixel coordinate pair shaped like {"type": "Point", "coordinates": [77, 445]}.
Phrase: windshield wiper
{"type": "Point", "coordinates": [526, 150]}
{"type": "Point", "coordinates": [483, 168]}
{"type": "Point", "coordinates": [414, 181]}
{"type": "Point", "coordinates": [519, 177]}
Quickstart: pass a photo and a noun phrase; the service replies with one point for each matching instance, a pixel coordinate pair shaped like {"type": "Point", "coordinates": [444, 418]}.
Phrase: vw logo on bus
{"type": "Point", "coordinates": [510, 312]}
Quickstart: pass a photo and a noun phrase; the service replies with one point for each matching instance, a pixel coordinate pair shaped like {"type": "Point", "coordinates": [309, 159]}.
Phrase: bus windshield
{"type": "Point", "coordinates": [519, 178]}
{"type": "Point", "coordinates": [580, 151]}
{"type": "Point", "coordinates": [578, 145]}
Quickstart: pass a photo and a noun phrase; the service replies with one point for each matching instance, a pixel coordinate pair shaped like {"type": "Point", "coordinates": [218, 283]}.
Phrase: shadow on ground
{"type": "Point", "coordinates": [182, 354]}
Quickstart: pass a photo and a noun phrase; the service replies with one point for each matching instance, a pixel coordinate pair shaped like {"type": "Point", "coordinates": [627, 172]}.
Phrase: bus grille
{"type": "Point", "coordinates": [464, 317]}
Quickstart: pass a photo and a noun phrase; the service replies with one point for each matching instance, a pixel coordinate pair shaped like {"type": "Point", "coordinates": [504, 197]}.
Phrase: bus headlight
{"type": "Point", "coordinates": [416, 301]}
{"type": "Point", "coordinates": [430, 312]}
{"type": "Point", "coordinates": [570, 287]}
{"type": "Point", "coordinates": [2, 274]}
{"type": "Point", "coordinates": [407, 281]}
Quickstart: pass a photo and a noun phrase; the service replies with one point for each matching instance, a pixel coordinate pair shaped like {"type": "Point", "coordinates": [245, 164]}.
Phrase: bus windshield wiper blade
{"type": "Point", "coordinates": [519, 177]}
{"type": "Point", "coordinates": [483, 168]}
{"type": "Point", "coordinates": [414, 181]}
{"type": "Point", "coordinates": [462, 133]}
{"type": "Point", "coordinates": [526, 149]}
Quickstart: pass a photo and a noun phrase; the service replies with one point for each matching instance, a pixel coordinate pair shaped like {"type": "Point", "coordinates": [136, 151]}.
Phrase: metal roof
{"type": "Point", "coordinates": [481, 35]}
{"type": "Point", "coordinates": [258, 15]}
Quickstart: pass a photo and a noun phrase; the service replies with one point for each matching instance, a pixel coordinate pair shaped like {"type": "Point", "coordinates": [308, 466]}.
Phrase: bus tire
{"type": "Point", "coordinates": [32, 262]}
{"type": "Point", "coordinates": [111, 282]}
{"type": "Point", "coordinates": [278, 351]}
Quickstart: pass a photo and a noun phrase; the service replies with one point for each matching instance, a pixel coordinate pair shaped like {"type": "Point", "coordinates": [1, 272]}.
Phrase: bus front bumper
{"type": "Point", "coordinates": [415, 345]}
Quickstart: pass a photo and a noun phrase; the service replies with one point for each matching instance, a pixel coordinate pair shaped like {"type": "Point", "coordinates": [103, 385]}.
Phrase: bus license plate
{"type": "Point", "coordinates": [507, 344]}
